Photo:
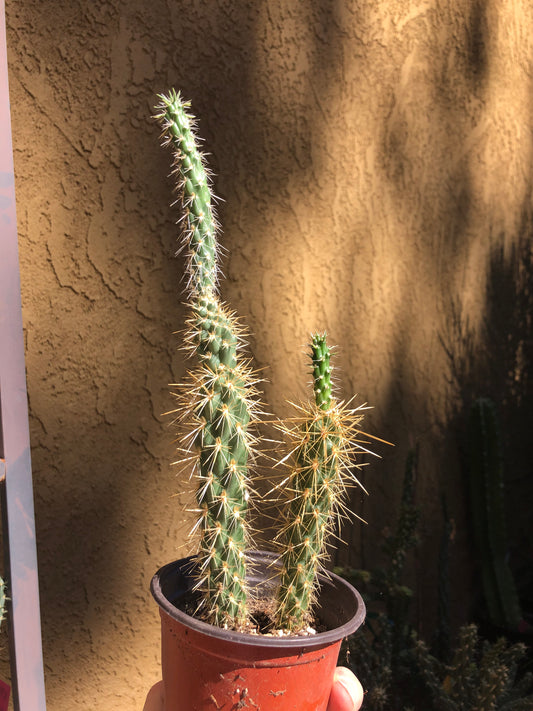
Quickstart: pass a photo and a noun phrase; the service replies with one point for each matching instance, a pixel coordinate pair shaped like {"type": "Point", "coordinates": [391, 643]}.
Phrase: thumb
{"type": "Point", "coordinates": [154, 700]}
{"type": "Point", "coordinates": [346, 693]}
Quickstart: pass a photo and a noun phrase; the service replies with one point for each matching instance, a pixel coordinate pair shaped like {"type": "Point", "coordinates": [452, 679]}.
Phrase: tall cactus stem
{"type": "Point", "coordinates": [219, 401]}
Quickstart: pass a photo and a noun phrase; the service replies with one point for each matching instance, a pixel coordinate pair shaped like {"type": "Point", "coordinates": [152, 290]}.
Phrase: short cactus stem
{"type": "Point", "coordinates": [219, 401]}
{"type": "Point", "coordinates": [323, 446]}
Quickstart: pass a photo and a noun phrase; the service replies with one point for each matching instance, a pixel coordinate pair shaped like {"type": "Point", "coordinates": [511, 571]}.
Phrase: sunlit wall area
{"type": "Point", "coordinates": [372, 158]}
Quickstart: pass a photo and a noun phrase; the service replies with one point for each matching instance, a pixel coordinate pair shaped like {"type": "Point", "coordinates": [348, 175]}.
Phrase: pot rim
{"type": "Point", "coordinates": [320, 639]}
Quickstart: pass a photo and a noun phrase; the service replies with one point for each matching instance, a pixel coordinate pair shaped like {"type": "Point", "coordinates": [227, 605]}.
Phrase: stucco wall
{"type": "Point", "coordinates": [369, 155]}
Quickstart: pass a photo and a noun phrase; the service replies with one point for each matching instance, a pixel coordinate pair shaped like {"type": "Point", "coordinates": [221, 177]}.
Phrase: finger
{"type": "Point", "coordinates": [346, 693]}
{"type": "Point", "coordinates": [154, 700]}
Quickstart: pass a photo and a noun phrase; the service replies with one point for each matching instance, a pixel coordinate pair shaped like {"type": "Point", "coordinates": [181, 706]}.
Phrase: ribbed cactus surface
{"type": "Point", "coordinates": [323, 445]}
{"type": "Point", "coordinates": [219, 401]}
{"type": "Point", "coordinates": [193, 186]}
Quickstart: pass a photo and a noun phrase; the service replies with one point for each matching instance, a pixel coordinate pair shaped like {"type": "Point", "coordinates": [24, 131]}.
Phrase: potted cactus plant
{"type": "Point", "coordinates": [243, 628]}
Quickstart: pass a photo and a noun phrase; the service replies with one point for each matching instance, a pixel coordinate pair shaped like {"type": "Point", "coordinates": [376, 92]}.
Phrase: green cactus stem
{"type": "Point", "coordinates": [219, 401]}
{"type": "Point", "coordinates": [194, 192]}
{"type": "Point", "coordinates": [324, 442]}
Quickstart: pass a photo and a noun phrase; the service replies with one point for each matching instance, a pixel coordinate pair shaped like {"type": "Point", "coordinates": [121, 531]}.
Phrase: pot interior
{"type": "Point", "coordinates": [340, 609]}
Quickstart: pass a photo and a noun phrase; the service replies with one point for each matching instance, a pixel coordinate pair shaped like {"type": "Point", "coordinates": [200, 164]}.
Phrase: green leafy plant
{"type": "Point", "coordinates": [219, 406]}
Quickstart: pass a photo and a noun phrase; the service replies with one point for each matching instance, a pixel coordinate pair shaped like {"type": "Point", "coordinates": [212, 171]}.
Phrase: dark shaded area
{"type": "Point", "coordinates": [476, 44]}
{"type": "Point", "coordinates": [498, 363]}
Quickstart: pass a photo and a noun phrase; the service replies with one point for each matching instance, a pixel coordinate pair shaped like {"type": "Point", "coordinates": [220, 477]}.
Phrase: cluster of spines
{"type": "Point", "coordinates": [218, 402]}
{"type": "Point", "coordinates": [324, 442]}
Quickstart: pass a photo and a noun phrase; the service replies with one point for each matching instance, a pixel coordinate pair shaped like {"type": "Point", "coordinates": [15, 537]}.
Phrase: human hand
{"type": "Point", "coordinates": [346, 693]}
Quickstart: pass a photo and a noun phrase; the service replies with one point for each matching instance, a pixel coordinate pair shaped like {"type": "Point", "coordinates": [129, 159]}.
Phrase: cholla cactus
{"type": "Point", "coordinates": [219, 401]}
{"type": "Point", "coordinates": [218, 404]}
{"type": "Point", "coordinates": [324, 442]}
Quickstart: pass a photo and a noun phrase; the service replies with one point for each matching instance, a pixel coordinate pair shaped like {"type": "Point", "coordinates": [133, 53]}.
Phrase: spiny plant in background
{"type": "Point", "coordinates": [397, 669]}
{"type": "Point", "coordinates": [383, 656]}
{"type": "Point", "coordinates": [219, 403]}
{"type": "Point", "coordinates": [442, 639]}
{"type": "Point", "coordinates": [482, 676]}
{"type": "Point", "coordinates": [324, 440]}
{"type": "Point", "coordinates": [487, 505]}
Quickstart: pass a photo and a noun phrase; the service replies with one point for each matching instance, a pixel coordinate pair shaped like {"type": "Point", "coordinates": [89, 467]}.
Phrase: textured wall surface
{"type": "Point", "coordinates": [370, 157]}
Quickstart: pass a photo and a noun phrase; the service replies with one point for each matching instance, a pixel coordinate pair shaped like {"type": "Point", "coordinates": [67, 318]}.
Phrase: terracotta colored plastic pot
{"type": "Point", "coordinates": [205, 667]}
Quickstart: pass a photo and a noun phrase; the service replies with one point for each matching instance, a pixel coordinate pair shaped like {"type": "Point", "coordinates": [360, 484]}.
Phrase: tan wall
{"type": "Point", "coordinates": [369, 155]}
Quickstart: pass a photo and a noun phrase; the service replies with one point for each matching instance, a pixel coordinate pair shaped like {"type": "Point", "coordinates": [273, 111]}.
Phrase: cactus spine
{"type": "Point", "coordinates": [220, 397]}
{"type": "Point", "coordinates": [323, 448]}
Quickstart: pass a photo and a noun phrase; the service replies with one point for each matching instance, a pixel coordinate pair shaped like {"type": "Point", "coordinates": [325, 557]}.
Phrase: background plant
{"type": "Point", "coordinates": [486, 484]}
{"type": "Point", "coordinates": [401, 672]}
{"type": "Point", "coordinates": [482, 676]}
{"type": "Point", "coordinates": [2, 600]}
{"type": "Point", "coordinates": [382, 656]}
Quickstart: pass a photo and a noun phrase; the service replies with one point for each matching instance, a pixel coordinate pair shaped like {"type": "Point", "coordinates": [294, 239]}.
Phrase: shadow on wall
{"type": "Point", "coordinates": [440, 169]}
{"type": "Point", "coordinates": [497, 362]}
